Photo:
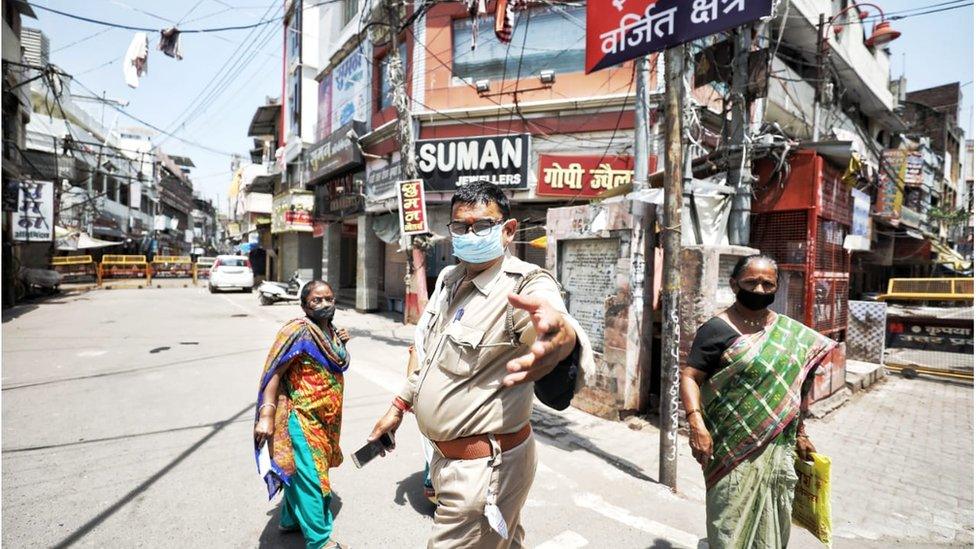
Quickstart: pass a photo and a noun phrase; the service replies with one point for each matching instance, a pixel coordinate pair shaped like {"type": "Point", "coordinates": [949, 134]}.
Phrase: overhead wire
{"type": "Point", "coordinates": [150, 29]}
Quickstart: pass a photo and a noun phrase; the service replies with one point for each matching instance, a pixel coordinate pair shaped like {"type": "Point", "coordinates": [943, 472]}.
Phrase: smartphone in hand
{"type": "Point", "coordinates": [372, 449]}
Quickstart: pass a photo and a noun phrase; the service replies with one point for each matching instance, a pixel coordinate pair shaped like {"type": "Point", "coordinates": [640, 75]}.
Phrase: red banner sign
{"type": "Point", "coordinates": [413, 207]}
{"type": "Point", "coordinates": [585, 176]}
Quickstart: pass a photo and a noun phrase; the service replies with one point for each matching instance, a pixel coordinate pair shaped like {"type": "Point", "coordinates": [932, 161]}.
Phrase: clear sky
{"type": "Point", "coordinates": [934, 49]}
{"type": "Point", "coordinates": [251, 61]}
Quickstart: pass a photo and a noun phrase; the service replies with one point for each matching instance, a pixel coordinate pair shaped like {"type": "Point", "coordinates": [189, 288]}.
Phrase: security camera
{"type": "Point", "coordinates": [352, 136]}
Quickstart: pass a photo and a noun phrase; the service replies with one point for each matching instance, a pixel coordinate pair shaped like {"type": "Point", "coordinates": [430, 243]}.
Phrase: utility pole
{"type": "Point", "coordinates": [416, 276]}
{"type": "Point", "coordinates": [740, 172]}
{"type": "Point", "coordinates": [674, 93]}
{"type": "Point", "coordinates": [641, 123]}
{"type": "Point", "coordinates": [818, 89]}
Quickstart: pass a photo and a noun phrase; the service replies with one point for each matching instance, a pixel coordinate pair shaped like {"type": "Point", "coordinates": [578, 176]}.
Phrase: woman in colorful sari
{"type": "Point", "coordinates": [299, 413]}
{"type": "Point", "coordinates": [745, 391]}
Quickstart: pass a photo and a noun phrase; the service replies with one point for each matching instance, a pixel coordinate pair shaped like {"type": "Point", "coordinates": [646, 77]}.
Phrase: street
{"type": "Point", "coordinates": [127, 419]}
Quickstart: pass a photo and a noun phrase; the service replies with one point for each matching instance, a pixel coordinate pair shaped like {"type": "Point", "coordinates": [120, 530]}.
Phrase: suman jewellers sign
{"type": "Point", "coordinates": [620, 30]}
{"type": "Point", "coordinates": [446, 164]}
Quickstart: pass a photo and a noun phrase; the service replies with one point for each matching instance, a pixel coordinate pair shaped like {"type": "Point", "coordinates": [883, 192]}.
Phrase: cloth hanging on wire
{"type": "Point", "coordinates": [169, 42]}
{"type": "Point", "coordinates": [476, 8]}
{"type": "Point", "coordinates": [136, 60]}
{"type": "Point", "coordinates": [505, 18]}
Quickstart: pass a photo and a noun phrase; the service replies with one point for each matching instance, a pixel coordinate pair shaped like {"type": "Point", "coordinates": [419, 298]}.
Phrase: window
{"type": "Point", "coordinates": [349, 10]}
{"type": "Point", "coordinates": [295, 33]}
{"type": "Point", "coordinates": [99, 186]}
{"type": "Point", "coordinates": [544, 38]}
{"type": "Point", "coordinates": [295, 101]}
{"type": "Point", "coordinates": [386, 87]}
{"type": "Point", "coordinates": [112, 192]}
{"type": "Point", "coordinates": [124, 194]}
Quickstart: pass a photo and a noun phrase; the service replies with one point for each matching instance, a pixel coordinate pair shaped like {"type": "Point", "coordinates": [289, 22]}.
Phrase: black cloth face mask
{"type": "Point", "coordinates": [754, 301]}
{"type": "Point", "coordinates": [322, 313]}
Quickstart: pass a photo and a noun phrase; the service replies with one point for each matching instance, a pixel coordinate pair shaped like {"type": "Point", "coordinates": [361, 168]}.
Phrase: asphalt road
{"type": "Point", "coordinates": [127, 419]}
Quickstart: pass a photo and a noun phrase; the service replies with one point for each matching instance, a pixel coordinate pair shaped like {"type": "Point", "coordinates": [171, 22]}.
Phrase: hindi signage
{"type": "Point", "coordinates": [334, 153]}
{"type": "Point", "coordinates": [913, 169]}
{"type": "Point", "coordinates": [350, 90]}
{"type": "Point", "coordinates": [33, 220]}
{"type": "Point", "coordinates": [585, 176]}
{"type": "Point", "coordinates": [413, 207]}
{"type": "Point", "coordinates": [292, 212]}
{"type": "Point", "coordinates": [446, 164]}
{"type": "Point", "coordinates": [620, 30]}
{"type": "Point", "coordinates": [891, 184]}
{"type": "Point", "coordinates": [381, 181]}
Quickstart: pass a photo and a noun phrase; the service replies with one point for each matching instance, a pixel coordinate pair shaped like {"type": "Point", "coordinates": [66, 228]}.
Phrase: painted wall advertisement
{"type": "Point", "coordinates": [350, 90]}
{"type": "Point", "coordinates": [585, 176]}
{"type": "Point", "coordinates": [620, 30]}
{"type": "Point", "coordinates": [891, 184]}
{"type": "Point", "coordinates": [413, 207]}
{"type": "Point", "coordinates": [33, 219]}
{"type": "Point", "coordinates": [292, 212]}
{"type": "Point", "coordinates": [324, 126]}
{"type": "Point", "coordinates": [446, 164]}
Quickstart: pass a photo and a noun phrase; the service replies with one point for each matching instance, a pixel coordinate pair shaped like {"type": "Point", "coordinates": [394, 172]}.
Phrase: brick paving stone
{"type": "Point", "coordinates": [902, 458]}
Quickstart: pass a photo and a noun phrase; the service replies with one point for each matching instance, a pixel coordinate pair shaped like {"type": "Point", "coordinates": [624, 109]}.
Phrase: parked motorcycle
{"type": "Point", "coordinates": [270, 293]}
{"type": "Point", "coordinates": [38, 282]}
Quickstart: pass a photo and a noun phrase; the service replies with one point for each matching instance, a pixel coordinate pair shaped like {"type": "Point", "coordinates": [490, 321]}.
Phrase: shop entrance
{"type": "Point", "coordinates": [348, 252]}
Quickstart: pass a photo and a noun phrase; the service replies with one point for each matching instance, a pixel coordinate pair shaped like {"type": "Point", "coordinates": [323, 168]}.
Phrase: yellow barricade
{"type": "Point", "coordinates": [172, 266]}
{"type": "Point", "coordinates": [124, 266]}
{"type": "Point", "coordinates": [201, 269]}
{"type": "Point", "coordinates": [929, 289]}
{"type": "Point", "coordinates": [73, 267]}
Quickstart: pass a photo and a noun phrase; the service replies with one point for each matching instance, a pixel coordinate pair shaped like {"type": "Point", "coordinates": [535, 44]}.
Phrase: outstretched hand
{"type": "Point", "coordinates": [555, 340]}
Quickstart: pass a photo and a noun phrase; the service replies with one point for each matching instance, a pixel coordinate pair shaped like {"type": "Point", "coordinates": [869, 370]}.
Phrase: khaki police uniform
{"type": "Point", "coordinates": [470, 333]}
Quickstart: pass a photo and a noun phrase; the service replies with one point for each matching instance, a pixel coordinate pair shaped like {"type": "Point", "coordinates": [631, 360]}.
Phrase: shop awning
{"type": "Point", "coordinates": [69, 240]}
{"type": "Point", "coordinates": [950, 258]}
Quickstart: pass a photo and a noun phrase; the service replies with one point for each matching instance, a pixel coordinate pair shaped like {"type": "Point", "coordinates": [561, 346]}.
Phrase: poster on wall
{"type": "Point", "coordinates": [620, 30]}
{"type": "Point", "coordinates": [585, 176]}
{"type": "Point", "coordinates": [292, 212]}
{"type": "Point", "coordinates": [891, 184]}
{"type": "Point", "coordinates": [413, 207]}
{"type": "Point", "coordinates": [33, 220]}
{"type": "Point", "coordinates": [446, 164]}
{"type": "Point", "coordinates": [350, 90]}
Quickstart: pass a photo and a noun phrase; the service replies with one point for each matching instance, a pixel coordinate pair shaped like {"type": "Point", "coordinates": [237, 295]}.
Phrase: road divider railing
{"type": "Point", "coordinates": [172, 266]}
{"type": "Point", "coordinates": [75, 268]}
{"type": "Point", "coordinates": [201, 268]}
{"type": "Point", "coordinates": [124, 266]}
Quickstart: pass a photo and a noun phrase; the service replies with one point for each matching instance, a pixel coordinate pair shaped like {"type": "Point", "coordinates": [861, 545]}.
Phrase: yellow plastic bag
{"type": "Point", "coordinates": [811, 503]}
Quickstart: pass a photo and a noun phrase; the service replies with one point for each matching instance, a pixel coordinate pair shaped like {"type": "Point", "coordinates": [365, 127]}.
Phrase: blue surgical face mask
{"type": "Point", "coordinates": [475, 249]}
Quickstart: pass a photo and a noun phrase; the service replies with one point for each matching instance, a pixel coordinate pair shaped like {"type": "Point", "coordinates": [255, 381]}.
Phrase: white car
{"type": "Point", "coordinates": [231, 271]}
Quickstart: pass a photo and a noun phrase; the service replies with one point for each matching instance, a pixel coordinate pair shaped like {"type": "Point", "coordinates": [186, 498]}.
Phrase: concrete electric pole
{"type": "Point", "coordinates": [674, 99]}
{"type": "Point", "coordinates": [740, 172]}
{"type": "Point", "coordinates": [416, 278]}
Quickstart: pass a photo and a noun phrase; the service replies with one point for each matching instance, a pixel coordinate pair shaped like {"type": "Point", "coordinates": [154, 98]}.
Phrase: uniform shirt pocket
{"type": "Point", "coordinates": [459, 353]}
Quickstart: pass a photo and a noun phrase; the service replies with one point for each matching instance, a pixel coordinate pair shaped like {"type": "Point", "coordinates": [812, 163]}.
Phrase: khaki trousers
{"type": "Point", "coordinates": [462, 486]}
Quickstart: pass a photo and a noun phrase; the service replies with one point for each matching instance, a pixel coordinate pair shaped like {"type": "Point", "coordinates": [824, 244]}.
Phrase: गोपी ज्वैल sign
{"type": "Point", "coordinates": [585, 176]}
{"type": "Point", "coordinates": [620, 30]}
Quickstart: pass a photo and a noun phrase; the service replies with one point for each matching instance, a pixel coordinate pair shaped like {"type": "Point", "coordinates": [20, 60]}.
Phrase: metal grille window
{"type": "Point", "coordinates": [544, 39]}
{"type": "Point", "coordinates": [349, 10]}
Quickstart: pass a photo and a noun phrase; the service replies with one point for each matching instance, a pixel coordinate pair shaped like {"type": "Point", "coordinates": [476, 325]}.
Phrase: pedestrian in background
{"type": "Point", "coordinates": [494, 326]}
{"type": "Point", "coordinates": [745, 390]}
{"type": "Point", "coordinates": [299, 413]}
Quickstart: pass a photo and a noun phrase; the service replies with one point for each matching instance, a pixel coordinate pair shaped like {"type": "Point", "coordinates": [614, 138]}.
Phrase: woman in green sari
{"type": "Point", "coordinates": [745, 390]}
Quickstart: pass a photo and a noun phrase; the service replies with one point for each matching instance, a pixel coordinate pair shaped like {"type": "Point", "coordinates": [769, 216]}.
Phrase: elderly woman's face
{"type": "Point", "coordinates": [759, 276]}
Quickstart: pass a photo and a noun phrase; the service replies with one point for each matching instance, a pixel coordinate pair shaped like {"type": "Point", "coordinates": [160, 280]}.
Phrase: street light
{"type": "Point", "coordinates": [881, 34]}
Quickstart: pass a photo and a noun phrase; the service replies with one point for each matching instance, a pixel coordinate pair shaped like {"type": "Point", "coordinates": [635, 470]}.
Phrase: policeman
{"type": "Point", "coordinates": [495, 331]}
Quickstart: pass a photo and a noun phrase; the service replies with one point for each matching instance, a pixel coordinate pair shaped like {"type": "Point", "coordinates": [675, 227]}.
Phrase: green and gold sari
{"type": "Point", "coordinates": [751, 407]}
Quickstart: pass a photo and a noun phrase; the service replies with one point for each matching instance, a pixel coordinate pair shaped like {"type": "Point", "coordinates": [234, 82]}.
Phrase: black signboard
{"type": "Point", "coordinates": [446, 164]}
{"type": "Point", "coordinates": [340, 197]}
{"type": "Point", "coordinates": [946, 335]}
{"type": "Point", "coordinates": [335, 153]}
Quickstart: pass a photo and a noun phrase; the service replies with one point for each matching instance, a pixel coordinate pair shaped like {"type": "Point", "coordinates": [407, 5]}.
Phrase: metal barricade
{"type": "Point", "coordinates": [929, 289]}
{"type": "Point", "coordinates": [73, 268]}
{"type": "Point", "coordinates": [172, 266]}
{"type": "Point", "coordinates": [124, 266]}
{"type": "Point", "coordinates": [201, 269]}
